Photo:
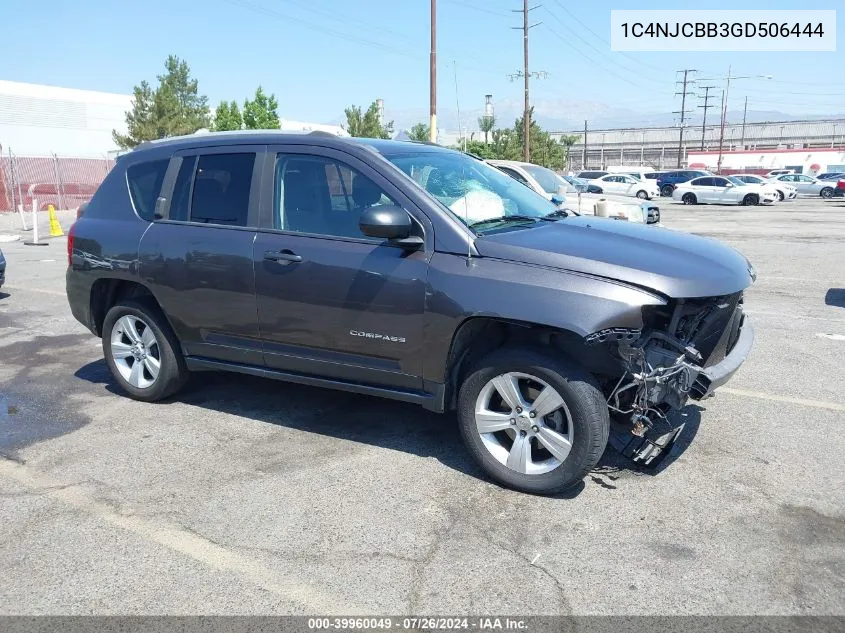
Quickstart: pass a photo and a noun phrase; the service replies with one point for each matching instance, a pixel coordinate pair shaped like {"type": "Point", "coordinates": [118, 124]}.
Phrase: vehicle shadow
{"type": "Point", "coordinates": [370, 420]}
{"type": "Point", "coordinates": [833, 297]}
{"type": "Point", "coordinates": [4, 295]}
{"type": "Point", "coordinates": [613, 464]}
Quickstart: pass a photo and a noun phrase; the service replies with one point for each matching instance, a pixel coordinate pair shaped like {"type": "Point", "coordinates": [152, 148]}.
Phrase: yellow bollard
{"type": "Point", "coordinates": [55, 227]}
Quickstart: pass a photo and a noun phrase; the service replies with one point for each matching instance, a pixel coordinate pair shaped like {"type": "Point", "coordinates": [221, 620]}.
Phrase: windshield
{"type": "Point", "coordinates": [471, 189]}
{"type": "Point", "coordinates": [549, 180]}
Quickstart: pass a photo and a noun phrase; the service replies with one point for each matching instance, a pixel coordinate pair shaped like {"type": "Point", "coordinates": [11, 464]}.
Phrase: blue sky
{"type": "Point", "coordinates": [318, 56]}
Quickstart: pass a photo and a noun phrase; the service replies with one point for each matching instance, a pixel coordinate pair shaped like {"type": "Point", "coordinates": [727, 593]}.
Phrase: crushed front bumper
{"type": "Point", "coordinates": [710, 378]}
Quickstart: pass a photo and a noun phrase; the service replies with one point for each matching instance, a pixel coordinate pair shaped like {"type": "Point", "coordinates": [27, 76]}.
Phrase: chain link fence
{"type": "Point", "coordinates": [63, 181]}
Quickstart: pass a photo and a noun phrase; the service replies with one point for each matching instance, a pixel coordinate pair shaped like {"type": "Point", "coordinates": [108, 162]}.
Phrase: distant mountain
{"type": "Point", "coordinates": [563, 115]}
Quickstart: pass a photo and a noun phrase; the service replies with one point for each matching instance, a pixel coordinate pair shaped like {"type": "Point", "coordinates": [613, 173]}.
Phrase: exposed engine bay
{"type": "Point", "coordinates": [666, 363]}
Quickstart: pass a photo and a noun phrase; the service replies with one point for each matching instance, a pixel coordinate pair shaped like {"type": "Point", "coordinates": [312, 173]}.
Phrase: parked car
{"type": "Point", "coordinates": [808, 186]}
{"type": "Point", "coordinates": [641, 174]}
{"type": "Point", "coordinates": [2, 268]}
{"type": "Point", "coordinates": [779, 172]}
{"type": "Point", "coordinates": [667, 181]}
{"type": "Point", "coordinates": [722, 190]}
{"type": "Point", "coordinates": [591, 175]}
{"type": "Point", "coordinates": [625, 185]}
{"type": "Point", "coordinates": [559, 190]}
{"type": "Point", "coordinates": [784, 190]}
{"type": "Point", "coordinates": [831, 175]}
{"type": "Point", "coordinates": [409, 271]}
{"type": "Point", "coordinates": [840, 188]}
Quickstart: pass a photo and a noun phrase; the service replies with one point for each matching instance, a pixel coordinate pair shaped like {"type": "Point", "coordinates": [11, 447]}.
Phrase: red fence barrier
{"type": "Point", "coordinates": [65, 182]}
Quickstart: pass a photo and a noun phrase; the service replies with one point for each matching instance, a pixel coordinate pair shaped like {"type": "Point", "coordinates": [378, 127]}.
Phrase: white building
{"type": "Point", "coordinates": [39, 120]}
{"type": "Point", "coordinates": [804, 161]}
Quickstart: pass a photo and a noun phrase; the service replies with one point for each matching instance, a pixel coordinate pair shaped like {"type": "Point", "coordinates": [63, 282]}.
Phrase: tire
{"type": "Point", "coordinates": [689, 198]}
{"type": "Point", "coordinates": [642, 195]}
{"type": "Point", "coordinates": [826, 193]}
{"type": "Point", "coordinates": [159, 343]}
{"type": "Point", "coordinates": [751, 199]}
{"type": "Point", "coordinates": [666, 191]}
{"type": "Point", "coordinates": [581, 418]}
{"type": "Point", "coordinates": [780, 196]}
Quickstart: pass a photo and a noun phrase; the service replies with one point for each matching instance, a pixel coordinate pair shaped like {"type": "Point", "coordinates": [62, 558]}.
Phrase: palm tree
{"type": "Point", "coordinates": [486, 124]}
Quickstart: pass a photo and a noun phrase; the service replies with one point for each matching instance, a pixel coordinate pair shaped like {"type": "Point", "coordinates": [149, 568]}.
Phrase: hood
{"type": "Point", "coordinates": [672, 263]}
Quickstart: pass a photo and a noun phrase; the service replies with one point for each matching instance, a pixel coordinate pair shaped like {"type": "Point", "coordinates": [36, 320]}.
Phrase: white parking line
{"type": "Point", "coordinates": [832, 337]}
{"type": "Point", "coordinates": [182, 541]}
{"type": "Point", "coordinates": [818, 404]}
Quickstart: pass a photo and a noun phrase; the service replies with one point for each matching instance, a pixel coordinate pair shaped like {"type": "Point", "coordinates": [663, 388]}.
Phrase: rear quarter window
{"type": "Point", "coordinates": [144, 181]}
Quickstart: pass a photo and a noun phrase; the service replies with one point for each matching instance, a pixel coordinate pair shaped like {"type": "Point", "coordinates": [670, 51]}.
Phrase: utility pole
{"type": "Point", "coordinates": [705, 107]}
{"type": "Point", "coordinates": [526, 114]}
{"type": "Point", "coordinates": [724, 116]}
{"type": "Point", "coordinates": [683, 111]}
{"type": "Point", "coordinates": [432, 74]}
{"type": "Point", "coordinates": [584, 149]}
{"type": "Point", "coordinates": [744, 114]}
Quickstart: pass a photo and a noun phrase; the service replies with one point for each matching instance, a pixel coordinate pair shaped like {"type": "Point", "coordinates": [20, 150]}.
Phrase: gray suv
{"type": "Point", "coordinates": [408, 271]}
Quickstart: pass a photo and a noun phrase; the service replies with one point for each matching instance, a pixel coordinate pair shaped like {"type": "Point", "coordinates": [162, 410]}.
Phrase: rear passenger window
{"type": "Point", "coordinates": [221, 189]}
{"type": "Point", "coordinates": [144, 181]}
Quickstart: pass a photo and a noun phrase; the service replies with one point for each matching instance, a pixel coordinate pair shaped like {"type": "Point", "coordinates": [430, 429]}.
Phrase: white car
{"type": "Point", "coordinates": [779, 172]}
{"type": "Point", "coordinates": [784, 190]}
{"type": "Point", "coordinates": [627, 185]}
{"type": "Point", "coordinates": [722, 190]}
{"type": "Point", "coordinates": [809, 186]}
{"type": "Point", "coordinates": [555, 188]}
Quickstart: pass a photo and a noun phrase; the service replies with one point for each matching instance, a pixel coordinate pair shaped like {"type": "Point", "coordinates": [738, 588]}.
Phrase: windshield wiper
{"type": "Point", "coordinates": [505, 218]}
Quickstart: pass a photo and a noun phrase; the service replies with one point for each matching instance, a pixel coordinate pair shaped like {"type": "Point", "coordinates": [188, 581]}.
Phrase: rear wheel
{"type": "Point", "coordinates": [533, 422]}
{"type": "Point", "coordinates": [827, 192]}
{"type": "Point", "coordinates": [666, 190]}
{"type": "Point", "coordinates": [689, 198]}
{"type": "Point", "coordinates": [642, 195]}
{"type": "Point", "coordinates": [142, 352]}
{"type": "Point", "coordinates": [751, 199]}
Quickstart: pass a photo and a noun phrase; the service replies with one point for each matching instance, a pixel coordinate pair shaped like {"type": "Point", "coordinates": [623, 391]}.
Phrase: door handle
{"type": "Point", "coordinates": [286, 256]}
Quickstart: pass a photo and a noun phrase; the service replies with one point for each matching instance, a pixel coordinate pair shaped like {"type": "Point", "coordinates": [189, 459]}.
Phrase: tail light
{"type": "Point", "coordinates": [70, 236]}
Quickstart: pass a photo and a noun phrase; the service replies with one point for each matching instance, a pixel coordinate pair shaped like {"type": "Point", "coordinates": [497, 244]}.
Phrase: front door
{"type": "Point", "coordinates": [333, 302]}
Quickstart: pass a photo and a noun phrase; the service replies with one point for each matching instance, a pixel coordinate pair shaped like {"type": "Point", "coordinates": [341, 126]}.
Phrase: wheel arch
{"type": "Point", "coordinates": [107, 292]}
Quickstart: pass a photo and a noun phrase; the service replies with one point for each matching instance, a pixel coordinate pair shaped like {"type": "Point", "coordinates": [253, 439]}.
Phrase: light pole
{"type": "Point", "coordinates": [727, 80]}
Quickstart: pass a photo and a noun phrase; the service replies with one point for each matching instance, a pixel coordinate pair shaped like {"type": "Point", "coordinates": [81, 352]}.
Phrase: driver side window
{"type": "Point", "coordinates": [321, 196]}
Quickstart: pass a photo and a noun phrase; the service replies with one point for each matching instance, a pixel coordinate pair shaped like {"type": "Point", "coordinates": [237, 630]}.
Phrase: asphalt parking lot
{"type": "Point", "coordinates": [247, 496]}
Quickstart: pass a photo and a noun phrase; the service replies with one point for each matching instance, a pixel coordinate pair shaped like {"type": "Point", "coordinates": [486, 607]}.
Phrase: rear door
{"type": "Point", "coordinates": [198, 255]}
{"type": "Point", "coordinates": [702, 188]}
{"type": "Point", "coordinates": [333, 302]}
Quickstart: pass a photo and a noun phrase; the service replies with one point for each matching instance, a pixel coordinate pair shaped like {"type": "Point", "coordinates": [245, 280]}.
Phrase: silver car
{"type": "Point", "coordinates": [807, 185]}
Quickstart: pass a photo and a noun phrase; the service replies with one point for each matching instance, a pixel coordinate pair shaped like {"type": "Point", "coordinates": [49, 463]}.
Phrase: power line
{"type": "Point", "coordinates": [575, 17]}
{"type": "Point", "coordinates": [705, 107]}
{"type": "Point", "coordinates": [683, 111]}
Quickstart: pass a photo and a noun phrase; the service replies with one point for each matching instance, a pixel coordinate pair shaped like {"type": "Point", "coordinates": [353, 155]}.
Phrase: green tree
{"type": "Point", "coordinates": [486, 124]}
{"type": "Point", "coordinates": [174, 108]}
{"type": "Point", "coordinates": [227, 116]}
{"type": "Point", "coordinates": [544, 149]}
{"type": "Point", "coordinates": [366, 124]}
{"type": "Point", "coordinates": [261, 113]}
{"type": "Point", "coordinates": [420, 132]}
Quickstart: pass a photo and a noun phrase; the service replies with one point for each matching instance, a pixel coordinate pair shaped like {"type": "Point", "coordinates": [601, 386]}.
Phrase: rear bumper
{"type": "Point", "coordinates": [713, 377]}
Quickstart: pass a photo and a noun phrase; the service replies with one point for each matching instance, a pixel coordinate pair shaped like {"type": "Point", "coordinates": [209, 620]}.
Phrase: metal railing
{"type": "Point", "coordinates": [63, 181]}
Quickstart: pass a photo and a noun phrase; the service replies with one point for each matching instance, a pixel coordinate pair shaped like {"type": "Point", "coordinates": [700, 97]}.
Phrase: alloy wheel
{"type": "Point", "coordinates": [524, 423]}
{"type": "Point", "coordinates": [135, 351]}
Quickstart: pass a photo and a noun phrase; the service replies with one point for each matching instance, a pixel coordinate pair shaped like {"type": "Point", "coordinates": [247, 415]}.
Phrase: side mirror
{"type": "Point", "coordinates": [388, 222]}
{"type": "Point", "coordinates": [558, 200]}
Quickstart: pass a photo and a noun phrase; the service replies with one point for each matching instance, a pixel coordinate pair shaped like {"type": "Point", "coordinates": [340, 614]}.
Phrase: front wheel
{"type": "Point", "coordinates": [827, 193]}
{"type": "Point", "coordinates": [780, 196]}
{"type": "Point", "coordinates": [533, 422]}
{"type": "Point", "coordinates": [642, 195]}
{"type": "Point", "coordinates": [142, 352]}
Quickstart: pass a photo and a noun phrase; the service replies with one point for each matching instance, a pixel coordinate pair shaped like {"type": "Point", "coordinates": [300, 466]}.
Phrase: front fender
{"type": "Point", "coordinates": [461, 288]}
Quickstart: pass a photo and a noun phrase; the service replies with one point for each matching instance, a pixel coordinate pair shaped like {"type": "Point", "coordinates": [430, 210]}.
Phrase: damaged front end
{"type": "Point", "coordinates": [685, 350]}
